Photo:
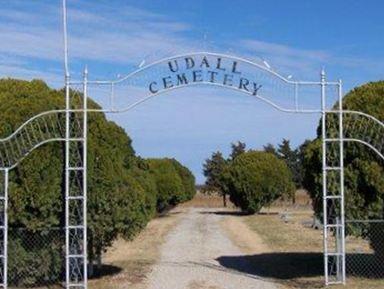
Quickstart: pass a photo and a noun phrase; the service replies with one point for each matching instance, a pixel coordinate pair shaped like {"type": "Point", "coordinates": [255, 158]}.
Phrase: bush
{"type": "Point", "coordinates": [257, 179]}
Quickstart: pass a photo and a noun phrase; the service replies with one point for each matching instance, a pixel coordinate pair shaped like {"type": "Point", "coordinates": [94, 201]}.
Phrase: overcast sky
{"type": "Point", "coordinates": [112, 38]}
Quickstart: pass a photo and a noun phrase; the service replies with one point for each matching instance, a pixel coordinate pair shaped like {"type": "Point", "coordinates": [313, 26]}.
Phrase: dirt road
{"type": "Point", "coordinates": [190, 254]}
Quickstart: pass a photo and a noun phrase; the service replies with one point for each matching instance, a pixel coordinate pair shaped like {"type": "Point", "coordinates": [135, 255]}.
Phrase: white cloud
{"type": "Point", "coordinates": [289, 60]}
{"type": "Point", "coordinates": [284, 50]}
{"type": "Point", "coordinates": [306, 62]}
{"type": "Point", "coordinates": [104, 36]}
{"type": "Point", "coordinates": [122, 35]}
{"type": "Point", "coordinates": [22, 72]}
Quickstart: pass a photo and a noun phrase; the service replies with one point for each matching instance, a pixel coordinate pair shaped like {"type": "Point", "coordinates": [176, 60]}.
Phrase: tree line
{"type": "Point", "coordinates": [124, 190]}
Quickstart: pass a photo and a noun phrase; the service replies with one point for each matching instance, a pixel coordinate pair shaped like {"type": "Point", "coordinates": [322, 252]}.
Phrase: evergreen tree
{"type": "Point", "coordinates": [290, 156]}
{"type": "Point", "coordinates": [214, 169]}
{"type": "Point", "coordinates": [301, 155]}
{"type": "Point", "coordinates": [270, 148]}
{"type": "Point", "coordinates": [237, 149]}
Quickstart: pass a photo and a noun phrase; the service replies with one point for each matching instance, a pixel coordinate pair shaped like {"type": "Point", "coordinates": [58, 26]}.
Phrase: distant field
{"type": "Point", "coordinates": [206, 201]}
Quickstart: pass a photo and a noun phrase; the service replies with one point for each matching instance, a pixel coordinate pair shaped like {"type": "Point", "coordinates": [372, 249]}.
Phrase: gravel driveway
{"type": "Point", "coordinates": [188, 257]}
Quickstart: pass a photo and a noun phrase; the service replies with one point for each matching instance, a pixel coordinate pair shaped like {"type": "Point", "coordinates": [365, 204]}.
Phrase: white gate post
{"type": "Point", "coordinates": [67, 135]}
{"type": "Point", "coordinates": [334, 260]}
{"type": "Point", "coordinates": [324, 172]}
{"type": "Point", "coordinates": [85, 171]}
{"type": "Point", "coordinates": [75, 180]}
{"type": "Point", "coordinates": [342, 200]}
{"type": "Point", "coordinates": [4, 229]}
{"type": "Point", "coordinates": [76, 190]}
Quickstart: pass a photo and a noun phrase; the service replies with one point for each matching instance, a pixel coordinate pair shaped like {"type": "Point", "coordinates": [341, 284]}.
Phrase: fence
{"type": "Point", "coordinates": [36, 258]}
{"type": "Point", "coordinates": [365, 253]}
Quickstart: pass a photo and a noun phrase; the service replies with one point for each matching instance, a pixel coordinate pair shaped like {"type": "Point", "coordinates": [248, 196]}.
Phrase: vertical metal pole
{"type": "Point", "coordinates": [67, 144]}
{"type": "Point", "coordinates": [338, 242]}
{"type": "Point", "coordinates": [296, 97]}
{"type": "Point", "coordinates": [342, 209]}
{"type": "Point", "coordinates": [67, 136]}
{"type": "Point", "coordinates": [5, 236]}
{"type": "Point", "coordinates": [324, 164]}
{"type": "Point", "coordinates": [112, 97]}
{"type": "Point", "coordinates": [85, 138]}
{"type": "Point", "coordinates": [66, 68]}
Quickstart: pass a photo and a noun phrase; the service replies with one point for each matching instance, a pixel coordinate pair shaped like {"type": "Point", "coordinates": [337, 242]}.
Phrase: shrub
{"type": "Point", "coordinates": [257, 179]}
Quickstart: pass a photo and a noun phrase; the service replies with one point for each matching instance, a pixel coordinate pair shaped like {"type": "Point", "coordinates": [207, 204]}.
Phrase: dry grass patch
{"type": "Point", "coordinates": [296, 259]}
{"type": "Point", "coordinates": [200, 285]}
{"type": "Point", "coordinates": [206, 201]}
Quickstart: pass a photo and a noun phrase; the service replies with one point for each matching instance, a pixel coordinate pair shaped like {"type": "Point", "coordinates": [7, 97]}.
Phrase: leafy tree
{"type": "Point", "coordinates": [257, 179]}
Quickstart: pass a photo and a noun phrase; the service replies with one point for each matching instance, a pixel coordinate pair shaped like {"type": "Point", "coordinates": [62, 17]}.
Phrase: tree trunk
{"type": "Point", "coordinates": [90, 256]}
{"type": "Point", "coordinates": [294, 198]}
{"type": "Point", "coordinates": [224, 200]}
{"type": "Point", "coordinates": [99, 259]}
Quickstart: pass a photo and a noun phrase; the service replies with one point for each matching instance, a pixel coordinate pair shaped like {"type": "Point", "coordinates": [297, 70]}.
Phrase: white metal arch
{"type": "Point", "coordinates": [291, 85]}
